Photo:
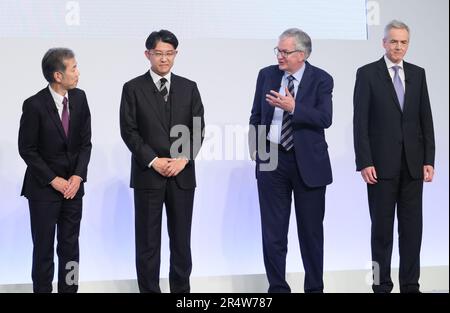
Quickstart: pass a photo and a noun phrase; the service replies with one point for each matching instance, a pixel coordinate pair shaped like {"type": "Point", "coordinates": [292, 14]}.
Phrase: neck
{"type": "Point", "coordinates": [296, 69]}
{"type": "Point", "coordinates": [58, 89]}
{"type": "Point", "coordinates": [400, 61]}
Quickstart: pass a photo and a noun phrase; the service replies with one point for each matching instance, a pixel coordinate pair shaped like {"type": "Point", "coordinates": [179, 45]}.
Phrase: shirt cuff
{"type": "Point", "coordinates": [150, 164]}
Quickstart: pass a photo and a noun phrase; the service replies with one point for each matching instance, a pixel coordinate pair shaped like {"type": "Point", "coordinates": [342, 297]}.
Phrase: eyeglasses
{"type": "Point", "coordinates": [168, 54]}
{"type": "Point", "coordinates": [400, 43]}
{"type": "Point", "coordinates": [284, 53]}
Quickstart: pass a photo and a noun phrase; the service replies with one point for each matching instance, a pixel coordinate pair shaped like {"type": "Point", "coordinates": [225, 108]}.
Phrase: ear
{"type": "Point", "coordinates": [147, 54]}
{"type": "Point", "coordinates": [57, 76]}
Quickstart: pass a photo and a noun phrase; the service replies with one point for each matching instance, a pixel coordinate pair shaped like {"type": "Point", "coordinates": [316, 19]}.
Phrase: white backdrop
{"type": "Point", "coordinates": [224, 61]}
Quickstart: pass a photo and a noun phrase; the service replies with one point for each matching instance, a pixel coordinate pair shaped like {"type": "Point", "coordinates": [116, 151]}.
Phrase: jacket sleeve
{"type": "Point", "coordinates": [28, 144]}
{"type": "Point", "coordinates": [86, 146]}
{"type": "Point", "coordinates": [361, 108]}
{"type": "Point", "coordinates": [129, 130]}
{"type": "Point", "coordinates": [255, 116]}
{"type": "Point", "coordinates": [426, 123]}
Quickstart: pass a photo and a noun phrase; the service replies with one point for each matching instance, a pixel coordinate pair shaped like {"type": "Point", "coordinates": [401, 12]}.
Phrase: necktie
{"type": "Point", "coordinates": [286, 139]}
{"type": "Point", "coordinates": [163, 88]}
{"type": "Point", "coordinates": [65, 117]}
{"type": "Point", "coordinates": [399, 90]}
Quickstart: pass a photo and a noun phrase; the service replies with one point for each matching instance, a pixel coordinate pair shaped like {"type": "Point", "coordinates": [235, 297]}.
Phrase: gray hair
{"type": "Point", "coordinates": [53, 61]}
{"type": "Point", "coordinates": [395, 24]}
{"type": "Point", "coordinates": [302, 40]}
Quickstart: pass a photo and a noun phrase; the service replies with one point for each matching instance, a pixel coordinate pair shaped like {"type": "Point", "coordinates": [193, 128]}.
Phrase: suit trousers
{"type": "Point", "coordinates": [65, 217]}
{"type": "Point", "coordinates": [148, 219]}
{"type": "Point", "coordinates": [405, 193]}
{"type": "Point", "coordinates": [275, 190]}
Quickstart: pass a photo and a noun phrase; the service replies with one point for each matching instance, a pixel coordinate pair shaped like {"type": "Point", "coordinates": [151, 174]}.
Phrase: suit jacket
{"type": "Point", "coordinates": [146, 132]}
{"type": "Point", "coordinates": [312, 114]}
{"type": "Point", "coordinates": [381, 129]}
{"type": "Point", "coordinates": [45, 148]}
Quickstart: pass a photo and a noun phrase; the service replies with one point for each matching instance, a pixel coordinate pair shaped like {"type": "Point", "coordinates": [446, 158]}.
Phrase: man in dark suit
{"type": "Point", "coordinates": [55, 143]}
{"type": "Point", "coordinates": [394, 147]}
{"type": "Point", "coordinates": [155, 109]}
{"type": "Point", "coordinates": [291, 109]}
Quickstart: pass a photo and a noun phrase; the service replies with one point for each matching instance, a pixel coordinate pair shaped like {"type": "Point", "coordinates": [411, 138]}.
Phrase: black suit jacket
{"type": "Point", "coordinates": [45, 148]}
{"type": "Point", "coordinates": [146, 133]}
{"type": "Point", "coordinates": [382, 129]}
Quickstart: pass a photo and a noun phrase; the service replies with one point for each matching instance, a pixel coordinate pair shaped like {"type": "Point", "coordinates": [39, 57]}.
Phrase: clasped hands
{"type": "Point", "coordinates": [168, 167]}
{"type": "Point", "coordinates": [68, 188]}
{"type": "Point", "coordinates": [286, 103]}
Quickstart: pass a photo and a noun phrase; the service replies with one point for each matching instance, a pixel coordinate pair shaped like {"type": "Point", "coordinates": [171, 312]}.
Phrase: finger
{"type": "Point", "coordinates": [370, 178]}
{"type": "Point", "coordinates": [275, 94]}
{"type": "Point", "coordinates": [68, 192]}
{"type": "Point", "coordinates": [272, 98]}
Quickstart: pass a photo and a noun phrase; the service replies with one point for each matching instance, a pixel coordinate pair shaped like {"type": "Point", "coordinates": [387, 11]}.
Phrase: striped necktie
{"type": "Point", "coordinates": [163, 88]}
{"type": "Point", "coordinates": [287, 137]}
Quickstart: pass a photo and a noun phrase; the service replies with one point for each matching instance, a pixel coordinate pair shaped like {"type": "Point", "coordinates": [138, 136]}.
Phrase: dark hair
{"type": "Point", "coordinates": [53, 61]}
{"type": "Point", "coordinates": [164, 36]}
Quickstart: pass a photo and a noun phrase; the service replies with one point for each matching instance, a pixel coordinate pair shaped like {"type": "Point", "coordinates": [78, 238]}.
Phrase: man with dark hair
{"type": "Point", "coordinates": [395, 149]}
{"type": "Point", "coordinates": [154, 109]}
{"type": "Point", "coordinates": [55, 143]}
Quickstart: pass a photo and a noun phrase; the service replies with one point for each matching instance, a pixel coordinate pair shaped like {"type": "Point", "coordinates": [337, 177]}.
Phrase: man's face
{"type": "Point", "coordinates": [161, 57]}
{"type": "Point", "coordinates": [396, 44]}
{"type": "Point", "coordinates": [69, 78]}
{"type": "Point", "coordinates": [293, 60]}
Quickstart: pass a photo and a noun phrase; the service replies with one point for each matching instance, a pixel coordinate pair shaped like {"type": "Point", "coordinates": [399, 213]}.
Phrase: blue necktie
{"type": "Point", "coordinates": [399, 90]}
{"type": "Point", "coordinates": [287, 137]}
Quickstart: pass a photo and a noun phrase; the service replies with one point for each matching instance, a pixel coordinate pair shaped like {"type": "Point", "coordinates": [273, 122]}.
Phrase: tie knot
{"type": "Point", "coordinates": [290, 78]}
{"type": "Point", "coordinates": [163, 81]}
{"type": "Point", "coordinates": [396, 68]}
{"type": "Point", "coordinates": [65, 101]}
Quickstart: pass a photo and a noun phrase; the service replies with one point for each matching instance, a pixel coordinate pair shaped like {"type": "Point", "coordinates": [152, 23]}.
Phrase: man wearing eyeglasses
{"type": "Point", "coordinates": [153, 105]}
{"type": "Point", "coordinates": [292, 107]}
{"type": "Point", "coordinates": [395, 150]}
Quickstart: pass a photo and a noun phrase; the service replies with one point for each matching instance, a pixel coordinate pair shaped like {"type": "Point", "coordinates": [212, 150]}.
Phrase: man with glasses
{"type": "Point", "coordinates": [394, 147]}
{"type": "Point", "coordinates": [291, 109]}
{"type": "Point", "coordinates": [162, 162]}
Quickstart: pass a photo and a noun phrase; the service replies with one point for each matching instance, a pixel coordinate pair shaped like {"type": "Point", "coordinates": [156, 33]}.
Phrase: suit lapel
{"type": "Point", "coordinates": [54, 115]}
{"type": "Point", "coordinates": [383, 72]}
{"type": "Point", "coordinates": [175, 96]}
{"type": "Point", "coordinates": [304, 84]}
{"type": "Point", "coordinates": [408, 80]}
{"type": "Point", "coordinates": [73, 114]}
{"type": "Point", "coordinates": [154, 99]}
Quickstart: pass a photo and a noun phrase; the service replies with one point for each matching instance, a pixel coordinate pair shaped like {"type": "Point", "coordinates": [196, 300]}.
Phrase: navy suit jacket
{"type": "Point", "coordinates": [312, 115]}
{"type": "Point", "coordinates": [45, 148]}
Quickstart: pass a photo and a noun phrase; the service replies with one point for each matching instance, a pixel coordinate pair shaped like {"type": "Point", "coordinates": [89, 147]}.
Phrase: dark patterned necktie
{"type": "Point", "coordinates": [287, 137]}
{"type": "Point", "coordinates": [163, 88]}
{"type": "Point", "coordinates": [65, 117]}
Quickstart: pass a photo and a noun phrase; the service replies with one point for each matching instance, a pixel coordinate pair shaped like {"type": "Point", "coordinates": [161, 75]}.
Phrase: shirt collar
{"type": "Point", "coordinates": [56, 96]}
{"type": "Point", "coordinates": [297, 75]}
{"type": "Point", "coordinates": [156, 78]}
{"type": "Point", "coordinates": [391, 64]}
